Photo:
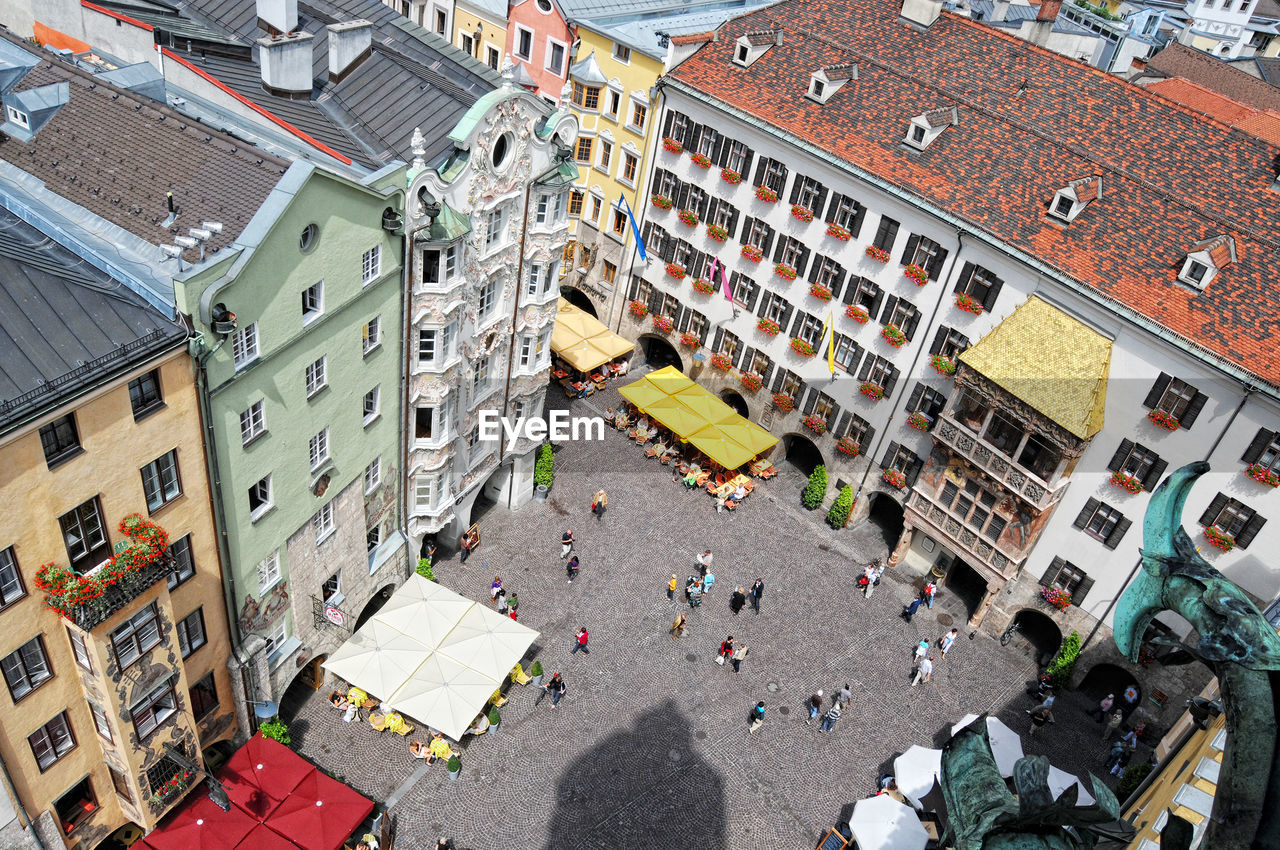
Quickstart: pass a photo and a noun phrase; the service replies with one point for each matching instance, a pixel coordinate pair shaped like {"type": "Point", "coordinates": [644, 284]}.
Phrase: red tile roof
{"type": "Point", "coordinates": [1031, 122]}
{"type": "Point", "coordinates": [1178, 60]}
{"type": "Point", "coordinates": [692, 38]}
{"type": "Point", "coordinates": [1201, 99]}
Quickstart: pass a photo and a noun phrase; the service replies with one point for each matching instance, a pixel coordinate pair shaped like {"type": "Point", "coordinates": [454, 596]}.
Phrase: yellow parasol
{"type": "Point", "coordinates": [669, 379]}
{"type": "Point", "coordinates": [712, 410]}
{"type": "Point", "coordinates": [676, 416]}
{"type": "Point", "coordinates": [641, 393]}
{"type": "Point", "coordinates": [715, 444]}
{"type": "Point", "coordinates": [748, 434]}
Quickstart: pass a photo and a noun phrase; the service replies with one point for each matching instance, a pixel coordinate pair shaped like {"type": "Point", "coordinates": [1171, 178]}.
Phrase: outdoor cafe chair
{"type": "Point", "coordinates": [519, 676]}
{"type": "Point", "coordinates": [378, 721]}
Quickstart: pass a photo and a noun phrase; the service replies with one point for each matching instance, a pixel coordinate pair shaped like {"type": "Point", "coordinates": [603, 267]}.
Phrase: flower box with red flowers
{"type": "Point", "coordinates": [916, 273]}
{"type": "Point", "coordinates": [663, 323]}
{"type": "Point", "coordinates": [856, 313]}
{"type": "Point", "coordinates": [1163, 420]}
{"type": "Point", "coordinates": [688, 218]}
{"type": "Point", "coordinates": [689, 340]}
{"type": "Point", "coordinates": [172, 787]}
{"type": "Point", "coordinates": [880, 255]}
{"type": "Point", "coordinates": [1263, 475]}
{"type": "Point", "coordinates": [768, 327]}
{"type": "Point", "coordinates": [943, 365]}
{"type": "Point", "coordinates": [704, 286]}
{"type": "Point", "coordinates": [752, 253]}
{"type": "Point", "coordinates": [835, 231]}
{"type": "Point", "coordinates": [820, 292]}
{"type": "Point", "coordinates": [919, 421]}
{"type": "Point", "coordinates": [764, 193]}
{"type": "Point", "coordinates": [751, 381]}
{"type": "Point", "coordinates": [700, 160]}
{"type": "Point", "coordinates": [662, 202]}
{"type": "Point", "coordinates": [894, 479]}
{"type": "Point", "coordinates": [802, 347]}
{"type": "Point", "coordinates": [815, 423]}
{"type": "Point", "coordinates": [672, 146]}
{"type": "Point", "coordinates": [638, 309]}
{"type": "Point", "coordinates": [676, 270]}
{"type": "Point", "coordinates": [873, 391]}
{"type": "Point", "coordinates": [1126, 482]}
{"type": "Point", "coordinates": [730, 176]}
{"type": "Point", "coordinates": [1055, 596]}
{"type": "Point", "coordinates": [969, 304]}
{"type": "Point", "coordinates": [847, 446]}
{"type": "Point", "coordinates": [893, 336]}
{"type": "Point", "coordinates": [784, 271]}
{"type": "Point", "coordinates": [724, 364]}
{"type": "Point", "coordinates": [1219, 538]}
{"type": "Point", "coordinates": [784, 402]}
{"type": "Point", "coordinates": [801, 213]}
{"type": "Point", "coordinates": [717, 232]}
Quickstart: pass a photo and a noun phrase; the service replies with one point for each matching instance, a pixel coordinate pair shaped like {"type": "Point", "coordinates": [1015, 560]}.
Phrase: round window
{"type": "Point", "coordinates": [544, 6]}
{"type": "Point", "coordinates": [307, 240]}
{"type": "Point", "coordinates": [501, 150]}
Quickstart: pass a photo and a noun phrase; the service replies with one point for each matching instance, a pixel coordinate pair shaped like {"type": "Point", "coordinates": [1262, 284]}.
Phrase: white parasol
{"type": "Point", "coordinates": [377, 659]}
{"type": "Point", "coordinates": [445, 695]}
{"type": "Point", "coordinates": [915, 772]}
{"type": "Point", "coordinates": [882, 823]}
{"type": "Point", "coordinates": [424, 610]}
{"type": "Point", "coordinates": [486, 641]}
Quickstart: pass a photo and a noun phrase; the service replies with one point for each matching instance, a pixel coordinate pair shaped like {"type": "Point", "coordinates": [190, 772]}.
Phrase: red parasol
{"type": "Point", "coordinates": [261, 774]}
{"type": "Point", "coordinates": [320, 813]}
{"type": "Point", "coordinates": [201, 825]}
{"type": "Point", "coordinates": [262, 838]}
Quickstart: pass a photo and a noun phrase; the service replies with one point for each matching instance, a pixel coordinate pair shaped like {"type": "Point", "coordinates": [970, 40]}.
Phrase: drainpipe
{"type": "Point", "coordinates": [515, 311]}
{"type": "Point", "coordinates": [942, 295]}
{"type": "Point", "coordinates": [29, 826]}
{"type": "Point", "coordinates": [406, 423]}
{"type": "Point", "coordinates": [1249, 390]}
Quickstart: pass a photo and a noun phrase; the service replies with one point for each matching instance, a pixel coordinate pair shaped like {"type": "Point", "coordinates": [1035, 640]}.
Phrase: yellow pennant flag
{"type": "Point", "coordinates": [829, 330]}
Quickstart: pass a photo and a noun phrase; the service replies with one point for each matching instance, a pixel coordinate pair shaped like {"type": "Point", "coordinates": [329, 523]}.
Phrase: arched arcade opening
{"type": "Point", "coordinates": [800, 452]}
{"type": "Point", "coordinates": [579, 299]}
{"type": "Point", "coordinates": [659, 352]}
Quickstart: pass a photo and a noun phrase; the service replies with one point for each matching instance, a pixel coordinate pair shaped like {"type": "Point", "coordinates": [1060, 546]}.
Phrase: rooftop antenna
{"type": "Point", "coordinates": [200, 236]}
{"type": "Point", "coordinates": [211, 226]}
{"type": "Point", "coordinates": [173, 252]}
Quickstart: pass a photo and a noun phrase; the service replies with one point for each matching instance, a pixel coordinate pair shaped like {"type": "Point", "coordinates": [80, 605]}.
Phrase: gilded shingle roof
{"type": "Point", "coordinates": [1053, 362]}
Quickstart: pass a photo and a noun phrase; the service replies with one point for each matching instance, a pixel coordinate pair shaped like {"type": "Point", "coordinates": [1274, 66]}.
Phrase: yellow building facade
{"type": "Point", "coordinates": [480, 29]}
{"type": "Point", "coordinates": [94, 697]}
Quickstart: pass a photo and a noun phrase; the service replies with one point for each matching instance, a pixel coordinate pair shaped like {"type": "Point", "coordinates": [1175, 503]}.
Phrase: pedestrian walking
{"type": "Point", "coordinates": [739, 653]}
{"type": "Point", "coordinates": [704, 562]}
{"type": "Point", "coordinates": [948, 640]}
{"type": "Point", "coordinates": [598, 504]}
{"type": "Point", "coordinates": [1120, 760]}
{"type": "Point", "coordinates": [566, 543]}
{"type": "Point", "coordinates": [910, 610]}
{"type": "Point", "coordinates": [501, 601]}
{"type": "Point", "coordinates": [737, 600]}
{"type": "Point", "coordinates": [688, 589]}
{"type": "Point", "coordinates": [1103, 707]}
{"type": "Point", "coordinates": [677, 626]}
{"type": "Point", "coordinates": [494, 589]}
{"type": "Point", "coordinates": [829, 719]}
{"type": "Point", "coordinates": [513, 602]}
{"type": "Point", "coordinates": [582, 637]}
{"type": "Point", "coordinates": [875, 570]}
{"type": "Point", "coordinates": [466, 544]}
{"type": "Point", "coordinates": [556, 687]}
{"type": "Point", "coordinates": [845, 696]}
{"type": "Point", "coordinates": [756, 718]}
{"type": "Point", "coordinates": [572, 568]}
{"type": "Point", "coordinates": [815, 705]}
{"type": "Point", "coordinates": [708, 580]}
{"type": "Point", "coordinates": [757, 591]}
{"type": "Point", "coordinates": [1039, 717]}
{"type": "Point", "coordinates": [726, 650]}
{"type": "Point", "coordinates": [671, 587]}
{"type": "Point", "coordinates": [924, 671]}
{"type": "Point", "coordinates": [1113, 723]}
{"type": "Point", "coordinates": [922, 649]}
{"type": "Point", "coordinates": [930, 590]}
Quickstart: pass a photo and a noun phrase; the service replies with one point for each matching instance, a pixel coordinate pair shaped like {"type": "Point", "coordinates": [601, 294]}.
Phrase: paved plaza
{"type": "Point", "coordinates": [650, 748]}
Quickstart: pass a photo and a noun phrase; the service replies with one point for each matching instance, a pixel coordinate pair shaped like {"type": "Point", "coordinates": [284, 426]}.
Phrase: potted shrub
{"type": "Point", "coordinates": [672, 146]}
{"type": "Point", "coordinates": [784, 271]}
{"type": "Point", "coordinates": [847, 446]}
{"type": "Point", "coordinates": [495, 719]}
{"type": "Point", "coordinates": [724, 364]}
{"type": "Point", "coordinates": [873, 391]}
{"type": "Point", "coordinates": [768, 327]}
{"type": "Point", "coordinates": [801, 213]}
{"type": "Point", "coordinates": [838, 516]}
{"type": "Point", "coordinates": [1064, 663]}
{"type": "Point", "coordinates": [893, 336]}
{"type": "Point", "coordinates": [701, 160]}
{"type": "Point", "coordinates": [916, 273]}
{"type": "Point", "coordinates": [945, 366]}
{"type": "Point", "coordinates": [1055, 596]}
{"type": "Point", "coordinates": [663, 323]}
{"type": "Point", "coordinates": [815, 492]}
{"type": "Point", "coordinates": [276, 730]}
{"type": "Point", "coordinates": [751, 381]}
{"type": "Point", "coordinates": [820, 292]}
{"type": "Point", "coordinates": [662, 202]}
{"type": "Point", "coordinates": [766, 194]}
{"type": "Point", "coordinates": [689, 340]}
{"type": "Point", "coordinates": [454, 766]}
{"type": "Point", "coordinates": [688, 218]}
{"type": "Point", "coordinates": [544, 472]}
{"type": "Point", "coordinates": [717, 232]}
{"type": "Point", "coordinates": [1219, 538]}
{"type": "Point", "coordinates": [894, 479]}
{"type": "Point", "coordinates": [802, 347]}
{"type": "Point", "coordinates": [919, 421]}
{"type": "Point", "coordinates": [638, 309]}
{"type": "Point", "coordinates": [784, 402]}
{"type": "Point", "coordinates": [1125, 481]}
{"type": "Point", "coordinates": [424, 564]}
{"type": "Point", "coordinates": [1262, 475]}
{"type": "Point", "coordinates": [968, 304]}
{"type": "Point", "coordinates": [675, 270]}
{"type": "Point", "coordinates": [535, 672]}
{"type": "Point", "coordinates": [1163, 420]}
{"type": "Point", "coordinates": [752, 254]}
{"type": "Point", "coordinates": [815, 423]}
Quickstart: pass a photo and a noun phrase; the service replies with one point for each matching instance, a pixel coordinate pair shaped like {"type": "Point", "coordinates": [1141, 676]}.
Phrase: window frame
{"type": "Point", "coordinates": [31, 682]}
{"type": "Point", "coordinates": [167, 476]}
{"type": "Point", "coordinates": [147, 708]}
{"type": "Point", "coordinates": [312, 302]}
{"type": "Point", "coordinates": [58, 445]}
{"type": "Point", "coordinates": [371, 412]}
{"type": "Point", "coordinates": [207, 682]}
{"type": "Point", "coordinates": [371, 336]}
{"type": "Point", "coordinates": [373, 475]}
{"type": "Point", "coordinates": [324, 522]}
{"type": "Point", "coordinates": [316, 377]}
{"type": "Point", "coordinates": [523, 39]}
{"type": "Point", "coordinates": [184, 564]}
{"type": "Point", "coordinates": [138, 635]}
{"type": "Point", "coordinates": [145, 395]}
{"type": "Point", "coordinates": [47, 738]}
{"type": "Point", "coordinates": [554, 44]}
{"type": "Point", "coordinates": [95, 553]}
{"type": "Point", "coordinates": [269, 573]}
{"type": "Point", "coordinates": [265, 503]}
{"type": "Point", "coordinates": [318, 453]}
{"type": "Point", "coordinates": [185, 644]}
{"type": "Point", "coordinates": [10, 577]}
{"type": "Point", "coordinates": [253, 422]}
{"type": "Point", "coordinates": [245, 345]}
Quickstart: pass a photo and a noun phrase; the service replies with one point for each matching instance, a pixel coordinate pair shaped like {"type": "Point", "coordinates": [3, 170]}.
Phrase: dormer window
{"type": "Point", "coordinates": [17, 116]}
{"type": "Point", "coordinates": [924, 129]}
{"type": "Point", "coordinates": [815, 88]}
{"type": "Point", "coordinates": [744, 50]}
{"type": "Point", "coordinates": [753, 45]}
{"type": "Point", "coordinates": [1205, 260]}
{"type": "Point", "coordinates": [917, 135]}
{"type": "Point", "coordinates": [1194, 272]}
{"type": "Point", "coordinates": [825, 82]}
{"type": "Point", "coordinates": [1071, 199]}
{"type": "Point", "coordinates": [1063, 206]}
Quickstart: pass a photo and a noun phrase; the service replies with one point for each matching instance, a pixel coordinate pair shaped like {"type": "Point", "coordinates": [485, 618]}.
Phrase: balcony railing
{"type": "Point", "coordinates": [961, 537]}
{"type": "Point", "coordinates": [1028, 486]}
{"type": "Point", "coordinates": [130, 586]}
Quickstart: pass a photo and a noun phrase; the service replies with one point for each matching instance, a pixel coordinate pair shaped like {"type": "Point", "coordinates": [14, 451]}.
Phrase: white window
{"type": "Point", "coordinates": [630, 165]}
{"type": "Point", "coordinates": [268, 572]}
{"type": "Point", "coordinates": [253, 422]}
{"type": "Point", "coordinates": [639, 112]}
{"type": "Point", "coordinates": [537, 271]}
{"type": "Point", "coordinates": [428, 344]}
{"type": "Point", "coordinates": [555, 56]}
{"type": "Point", "coordinates": [526, 350]}
{"type": "Point", "coordinates": [497, 228]}
{"type": "Point", "coordinates": [260, 498]}
{"type": "Point", "coordinates": [373, 475]}
{"type": "Point", "coordinates": [312, 302]}
{"type": "Point", "coordinates": [373, 539]}
{"type": "Point", "coordinates": [524, 43]}
{"type": "Point", "coordinates": [596, 205]}
{"type": "Point", "coordinates": [316, 377]}
{"type": "Point", "coordinates": [323, 522]}
{"type": "Point", "coordinates": [606, 155]}
{"type": "Point", "coordinates": [319, 449]}
{"type": "Point", "coordinates": [424, 492]}
{"type": "Point", "coordinates": [371, 335]}
{"type": "Point", "coordinates": [493, 56]}
{"type": "Point", "coordinates": [371, 406]}
{"type": "Point", "coordinates": [244, 345]}
{"type": "Point", "coordinates": [467, 42]}
{"type": "Point", "coordinates": [614, 99]}
{"type": "Point", "coordinates": [488, 300]}
{"type": "Point", "coordinates": [543, 350]}
{"type": "Point", "coordinates": [622, 53]}
{"type": "Point", "coordinates": [18, 117]}
{"type": "Point", "coordinates": [543, 212]}
{"type": "Point", "coordinates": [480, 378]}
{"type": "Point", "coordinates": [275, 642]}
{"type": "Point", "coordinates": [439, 265]}
{"type": "Point", "coordinates": [371, 265]}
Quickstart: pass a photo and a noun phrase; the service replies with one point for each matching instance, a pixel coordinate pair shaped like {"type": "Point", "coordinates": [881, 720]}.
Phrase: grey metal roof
{"type": "Point", "coordinates": [637, 24]}
{"type": "Point", "coordinates": [166, 17]}
{"type": "Point", "coordinates": [65, 324]}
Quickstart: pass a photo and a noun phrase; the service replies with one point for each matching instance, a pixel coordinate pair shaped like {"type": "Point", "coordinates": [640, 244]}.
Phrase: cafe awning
{"type": "Point", "coordinates": [583, 341]}
{"type": "Point", "coordinates": [713, 442]}
{"type": "Point", "coordinates": [676, 416]}
{"type": "Point", "coordinates": [642, 394]}
{"type": "Point", "coordinates": [669, 379]}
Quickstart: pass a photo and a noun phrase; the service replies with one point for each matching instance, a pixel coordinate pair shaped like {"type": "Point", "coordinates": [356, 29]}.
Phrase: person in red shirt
{"type": "Point", "coordinates": [582, 637]}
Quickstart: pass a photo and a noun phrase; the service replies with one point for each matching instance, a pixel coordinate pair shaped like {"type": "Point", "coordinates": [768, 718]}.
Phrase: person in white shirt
{"type": "Point", "coordinates": [704, 562]}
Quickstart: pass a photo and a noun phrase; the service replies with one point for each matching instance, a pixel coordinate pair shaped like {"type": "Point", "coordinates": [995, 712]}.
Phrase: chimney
{"type": "Point", "coordinates": [921, 13]}
{"type": "Point", "coordinates": [999, 10]}
{"type": "Point", "coordinates": [349, 43]}
{"type": "Point", "coordinates": [285, 63]}
{"type": "Point", "coordinates": [1040, 30]}
{"type": "Point", "coordinates": [1049, 10]}
{"type": "Point", "coordinates": [278, 16]}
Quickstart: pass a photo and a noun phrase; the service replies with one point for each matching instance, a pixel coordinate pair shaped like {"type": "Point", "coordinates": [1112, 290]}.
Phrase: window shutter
{"type": "Point", "coordinates": [778, 377]}
{"type": "Point", "coordinates": [741, 356]}
{"type": "Point", "coordinates": [1126, 446]}
{"type": "Point", "coordinates": [889, 454]}
{"type": "Point", "coordinates": [786, 315]}
{"type": "Point", "coordinates": [912, 323]}
{"type": "Point", "coordinates": [820, 199]}
{"type": "Point", "coordinates": [803, 262]}
{"type": "Point", "coordinates": [913, 401]}
{"type": "Point", "coordinates": [682, 195]}
{"type": "Point", "coordinates": [830, 214]}
{"type": "Point", "coordinates": [838, 282]}
{"type": "Point", "coordinates": [747, 224]}
{"type": "Point", "coordinates": [965, 274]}
{"type": "Point", "coordinates": [717, 339]}
{"type": "Point", "coordinates": [1153, 474]}
{"type": "Point", "coordinates": [913, 469]}
{"type": "Point", "coordinates": [801, 316]}
{"type": "Point", "coordinates": [890, 380]}
{"type": "Point", "coordinates": [1210, 515]}
{"type": "Point", "coordinates": [1250, 531]}
{"type": "Point", "coordinates": [1259, 445]}
{"type": "Point", "coordinates": [1193, 410]}
{"type": "Point", "coordinates": [865, 371]}
{"type": "Point", "coordinates": [868, 437]}
{"type": "Point", "coordinates": [1157, 390]}
{"type": "Point", "coordinates": [667, 122]}
{"type": "Point", "coordinates": [753, 295]}
{"type": "Point", "coordinates": [1055, 570]}
{"type": "Point", "coordinates": [718, 148]}
{"type": "Point", "coordinates": [682, 319]}
{"type": "Point", "coordinates": [810, 399]}
{"type": "Point", "coordinates": [732, 226]}
{"type": "Point", "coordinates": [655, 302]}
{"type": "Point", "coordinates": [769, 234]}
{"type": "Point", "coordinates": [856, 225]}
{"type": "Point", "coordinates": [777, 251]}
{"type": "Point", "coordinates": [939, 338]}
{"type": "Point", "coordinates": [760, 169]}
{"type": "Point", "coordinates": [748, 156]}
{"type": "Point", "coordinates": [634, 290]}
{"type": "Point", "coordinates": [875, 303]}
{"type": "Point", "coordinates": [1117, 533]}
{"type": "Point", "coordinates": [934, 266]}
{"type": "Point", "coordinates": [795, 189]}
{"type": "Point", "coordinates": [760, 310]}
{"type": "Point", "coordinates": [909, 254]}
{"type": "Point", "coordinates": [842, 425]}
{"type": "Point", "coordinates": [989, 300]}
{"type": "Point", "coordinates": [1078, 595]}
{"type": "Point", "coordinates": [768, 373]}
{"type": "Point", "coordinates": [1086, 514]}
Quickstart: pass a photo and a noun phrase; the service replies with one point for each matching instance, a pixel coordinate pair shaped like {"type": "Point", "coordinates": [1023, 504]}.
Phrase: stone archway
{"type": "Point", "coordinates": [1041, 632]}
{"type": "Point", "coordinates": [886, 514]}
{"type": "Point", "coordinates": [374, 605]}
{"type": "Point", "coordinates": [801, 452]}
{"type": "Point", "coordinates": [1104, 678]}
{"type": "Point", "coordinates": [659, 352]}
{"type": "Point", "coordinates": [737, 402]}
{"type": "Point", "coordinates": [963, 582]}
{"type": "Point", "coordinates": [579, 299]}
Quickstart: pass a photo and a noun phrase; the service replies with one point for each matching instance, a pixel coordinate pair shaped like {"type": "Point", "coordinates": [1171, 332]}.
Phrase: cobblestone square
{"type": "Point", "coordinates": [650, 747]}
